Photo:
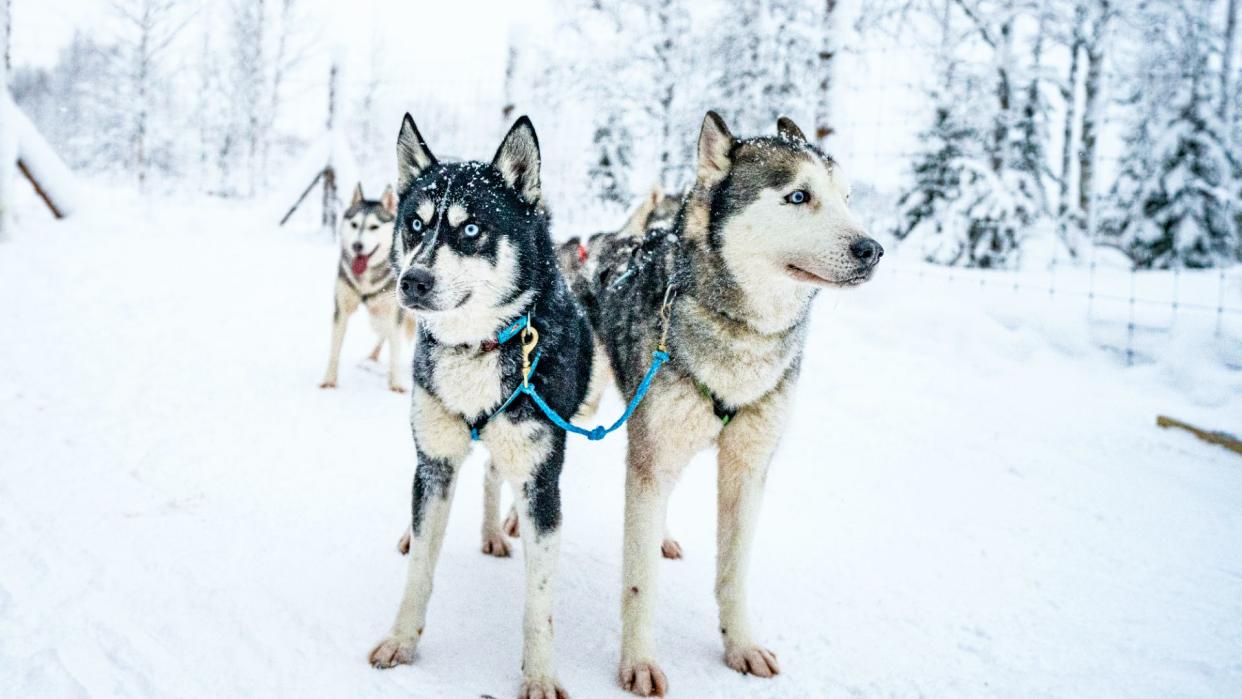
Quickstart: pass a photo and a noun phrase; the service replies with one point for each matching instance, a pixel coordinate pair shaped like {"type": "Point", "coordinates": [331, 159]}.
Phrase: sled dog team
{"type": "Point", "coordinates": [721, 278]}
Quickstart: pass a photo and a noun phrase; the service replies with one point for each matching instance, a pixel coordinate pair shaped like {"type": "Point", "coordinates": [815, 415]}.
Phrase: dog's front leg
{"type": "Point", "coordinates": [539, 518]}
{"type": "Point", "coordinates": [746, 448]}
{"type": "Point", "coordinates": [394, 356]}
{"type": "Point", "coordinates": [344, 305]}
{"type": "Point", "coordinates": [647, 490]}
{"type": "Point", "coordinates": [529, 455]}
{"type": "Point", "coordinates": [442, 445]}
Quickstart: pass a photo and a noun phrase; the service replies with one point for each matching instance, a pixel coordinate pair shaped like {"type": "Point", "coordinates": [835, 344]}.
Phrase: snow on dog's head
{"type": "Point", "coordinates": [777, 209]}
{"type": "Point", "coordinates": [467, 234]}
{"type": "Point", "coordinates": [364, 235]}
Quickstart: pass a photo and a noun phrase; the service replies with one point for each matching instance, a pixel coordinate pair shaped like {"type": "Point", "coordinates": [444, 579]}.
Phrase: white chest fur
{"type": "Point", "coordinates": [467, 381]}
{"type": "Point", "coordinates": [740, 366]}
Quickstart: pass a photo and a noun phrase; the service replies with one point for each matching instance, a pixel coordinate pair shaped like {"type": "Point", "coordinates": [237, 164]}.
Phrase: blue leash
{"type": "Point", "coordinates": [658, 358]}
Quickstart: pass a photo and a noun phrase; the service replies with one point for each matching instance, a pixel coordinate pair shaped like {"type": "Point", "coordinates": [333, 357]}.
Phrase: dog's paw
{"type": "Point", "coordinates": [671, 549]}
{"type": "Point", "coordinates": [403, 544]}
{"type": "Point", "coordinates": [396, 388]}
{"type": "Point", "coordinates": [510, 526]}
{"type": "Point", "coordinates": [542, 688]}
{"type": "Point", "coordinates": [328, 384]}
{"type": "Point", "coordinates": [394, 650]}
{"type": "Point", "coordinates": [494, 544]}
{"type": "Point", "coordinates": [753, 660]}
{"type": "Point", "coordinates": [643, 678]}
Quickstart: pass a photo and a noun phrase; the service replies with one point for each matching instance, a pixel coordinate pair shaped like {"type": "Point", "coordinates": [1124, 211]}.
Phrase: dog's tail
{"type": "Point", "coordinates": [601, 378]}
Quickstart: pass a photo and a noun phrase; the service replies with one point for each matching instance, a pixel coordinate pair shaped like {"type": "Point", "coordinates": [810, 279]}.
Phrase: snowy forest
{"type": "Point", "coordinates": [1084, 122]}
{"type": "Point", "coordinates": [1008, 459]}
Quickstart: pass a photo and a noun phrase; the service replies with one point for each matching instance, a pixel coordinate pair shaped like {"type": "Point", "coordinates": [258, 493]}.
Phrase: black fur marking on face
{"type": "Point", "coordinates": [368, 206]}
{"type": "Point", "coordinates": [494, 207]}
{"type": "Point", "coordinates": [431, 480]}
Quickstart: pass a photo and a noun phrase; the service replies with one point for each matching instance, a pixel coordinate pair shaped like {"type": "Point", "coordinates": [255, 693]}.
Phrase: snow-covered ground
{"type": "Point", "coordinates": [972, 500]}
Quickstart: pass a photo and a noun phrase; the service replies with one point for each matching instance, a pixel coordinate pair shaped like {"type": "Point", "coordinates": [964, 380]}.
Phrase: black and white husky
{"type": "Point", "coordinates": [473, 255]}
{"type": "Point", "coordinates": [364, 277]}
{"type": "Point", "coordinates": [766, 224]}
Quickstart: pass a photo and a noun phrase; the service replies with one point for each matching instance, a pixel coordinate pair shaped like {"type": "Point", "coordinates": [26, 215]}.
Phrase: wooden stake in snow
{"type": "Point", "coordinates": [328, 161]}
{"type": "Point", "coordinates": [1224, 439]}
{"type": "Point", "coordinates": [23, 147]}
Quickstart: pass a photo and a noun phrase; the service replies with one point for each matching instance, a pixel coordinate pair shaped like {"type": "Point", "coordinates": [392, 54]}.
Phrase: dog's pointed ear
{"type": "Point", "coordinates": [715, 144]}
{"type": "Point", "coordinates": [788, 129]}
{"type": "Point", "coordinates": [413, 155]}
{"type": "Point", "coordinates": [389, 200]}
{"type": "Point", "coordinates": [357, 195]}
{"type": "Point", "coordinates": [517, 159]}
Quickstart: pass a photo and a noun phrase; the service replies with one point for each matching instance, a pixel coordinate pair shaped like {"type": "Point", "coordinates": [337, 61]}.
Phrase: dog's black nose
{"type": "Point", "coordinates": [357, 248]}
{"type": "Point", "coordinates": [866, 251]}
{"type": "Point", "coordinates": [416, 283]}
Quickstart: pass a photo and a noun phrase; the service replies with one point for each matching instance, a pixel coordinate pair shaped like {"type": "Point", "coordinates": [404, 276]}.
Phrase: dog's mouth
{"type": "Point", "coordinates": [803, 275]}
{"type": "Point", "coordinates": [359, 264]}
{"type": "Point", "coordinates": [426, 307]}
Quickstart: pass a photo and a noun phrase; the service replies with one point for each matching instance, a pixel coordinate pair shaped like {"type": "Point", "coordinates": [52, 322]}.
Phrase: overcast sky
{"type": "Point", "coordinates": [466, 40]}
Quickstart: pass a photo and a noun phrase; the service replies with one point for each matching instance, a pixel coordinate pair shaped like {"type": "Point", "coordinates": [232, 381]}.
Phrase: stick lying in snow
{"type": "Point", "coordinates": [1224, 439]}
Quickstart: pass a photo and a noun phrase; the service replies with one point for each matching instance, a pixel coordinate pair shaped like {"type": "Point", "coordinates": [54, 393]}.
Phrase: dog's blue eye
{"type": "Point", "coordinates": [416, 225]}
{"type": "Point", "coordinates": [799, 196]}
{"type": "Point", "coordinates": [471, 230]}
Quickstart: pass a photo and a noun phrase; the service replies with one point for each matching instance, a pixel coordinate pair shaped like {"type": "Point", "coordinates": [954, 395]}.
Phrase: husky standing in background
{"type": "Point", "coordinates": [766, 225]}
{"type": "Point", "coordinates": [473, 254]}
{"type": "Point", "coordinates": [364, 276]}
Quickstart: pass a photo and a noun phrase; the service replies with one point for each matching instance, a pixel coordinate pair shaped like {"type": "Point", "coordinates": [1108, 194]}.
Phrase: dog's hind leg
{"type": "Point", "coordinates": [746, 449]}
{"type": "Point", "coordinates": [374, 356]}
{"type": "Point", "coordinates": [494, 543]}
{"type": "Point", "coordinates": [344, 305]}
{"type": "Point", "coordinates": [442, 446]}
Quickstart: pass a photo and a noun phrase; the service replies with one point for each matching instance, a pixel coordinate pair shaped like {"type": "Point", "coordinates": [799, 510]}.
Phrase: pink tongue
{"type": "Point", "coordinates": [360, 265]}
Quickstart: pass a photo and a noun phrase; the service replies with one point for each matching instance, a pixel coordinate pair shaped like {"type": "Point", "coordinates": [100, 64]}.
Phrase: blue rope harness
{"type": "Point", "coordinates": [658, 358]}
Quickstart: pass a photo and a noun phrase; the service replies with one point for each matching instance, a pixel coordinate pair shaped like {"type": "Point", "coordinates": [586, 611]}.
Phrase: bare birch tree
{"type": "Point", "coordinates": [148, 28]}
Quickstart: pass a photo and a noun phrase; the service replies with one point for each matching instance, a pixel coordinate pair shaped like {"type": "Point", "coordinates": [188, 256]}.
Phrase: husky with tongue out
{"type": "Point", "coordinates": [364, 277]}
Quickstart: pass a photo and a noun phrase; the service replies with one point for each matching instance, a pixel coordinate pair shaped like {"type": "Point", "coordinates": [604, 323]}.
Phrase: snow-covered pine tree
{"type": "Point", "coordinates": [971, 201]}
{"type": "Point", "coordinates": [938, 174]}
{"type": "Point", "coordinates": [609, 172]}
{"type": "Point", "coordinates": [771, 59]}
{"type": "Point", "coordinates": [1175, 195]}
{"type": "Point", "coordinates": [738, 66]}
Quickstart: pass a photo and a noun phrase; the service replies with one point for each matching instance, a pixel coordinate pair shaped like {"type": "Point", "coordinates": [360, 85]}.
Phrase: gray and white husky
{"type": "Point", "coordinates": [473, 254]}
{"type": "Point", "coordinates": [765, 226]}
{"type": "Point", "coordinates": [364, 277]}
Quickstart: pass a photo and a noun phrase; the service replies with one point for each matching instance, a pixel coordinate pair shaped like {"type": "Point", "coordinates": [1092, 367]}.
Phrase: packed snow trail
{"type": "Point", "coordinates": [965, 504]}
